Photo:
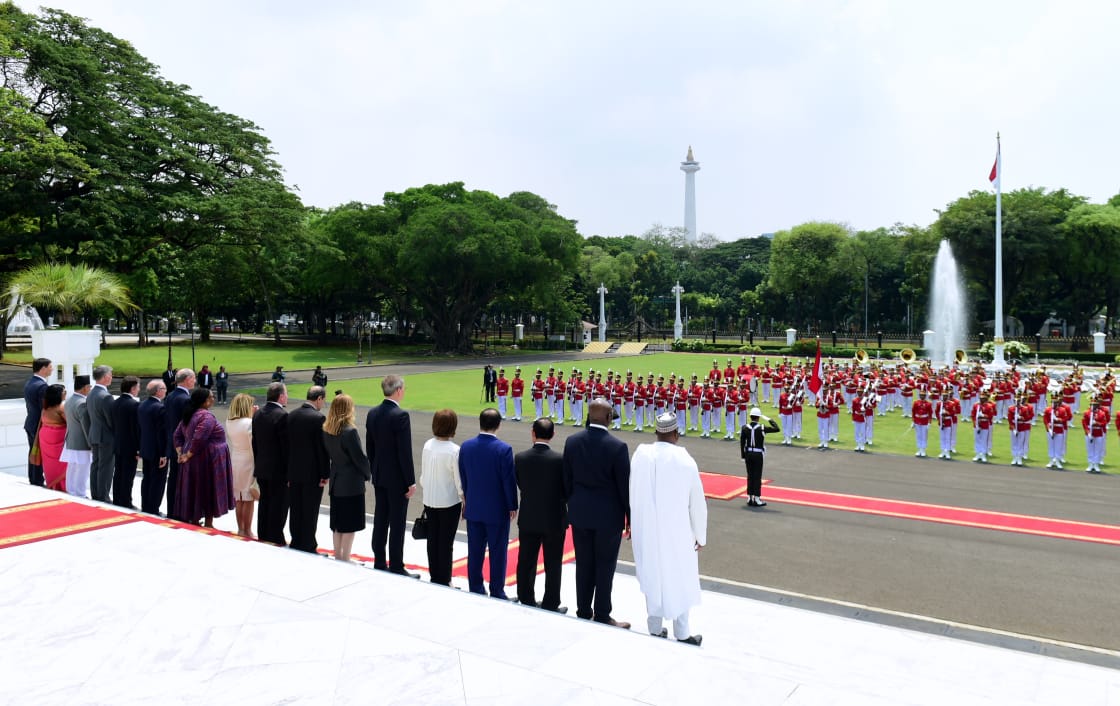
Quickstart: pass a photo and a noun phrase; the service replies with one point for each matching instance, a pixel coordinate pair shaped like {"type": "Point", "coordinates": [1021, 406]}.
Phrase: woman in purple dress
{"type": "Point", "coordinates": [205, 489]}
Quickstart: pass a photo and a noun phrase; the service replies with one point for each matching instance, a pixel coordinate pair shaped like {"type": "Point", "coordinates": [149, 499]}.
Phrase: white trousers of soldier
{"type": "Point", "coordinates": [577, 410]}
{"type": "Point", "coordinates": [1056, 446]}
{"type": "Point", "coordinates": [848, 397]}
{"type": "Point", "coordinates": [766, 392]}
{"type": "Point", "coordinates": [502, 401]}
{"type": "Point", "coordinates": [907, 405]}
{"type": "Point", "coordinates": [1076, 401]}
{"type": "Point", "coordinates": [822, 431]}
{"type": "Point", "coordinates": [682, 421]}
{"type": "Point", "coordinates": [860, 429]}
{"type": "Point", "coordinates": [1039, 407]}
{"type": "Point", "coordinates": [558, 409]}
{"type": "Point", "coordinates": [743, 416]}
{"type": "Point", "coordinates": [538, 407]}
{"type": "Point", "coordinates": [787, 429]}
{"type": "Point", "coordinates": [869, 429]}
{"type": "Point", "coordinates": [953, 439]}
{"type": "Point", "coordinates": [629, 412]}
{"type": "Point", "coordinates": [717, 414]}
{"type": "Point", "coordinates": [729, 424]}
{"type": "Point", "coordinates": [616, 409]}
{"type": "Point", "coordinates": [1001, 410]}
{"type": "Point", "coordinates": [653, 411]}
{"type": "Point", "coordinates": [1020, 444]}
{"type": "Point", "coordinates": [694, 417]}
{"type": "Point", "coordinates": [921, 438]}
{"type": "Point", "coordinates": [945, 441]}
{"type": "Point", "coordinates": [706, 423]}
{"type": "Point", "coordinates": [1094, 449]}
{"type": "Point", "coordinates": [797, 420]}
{"type": "Point", "coordinates": [517, 407]}
{"type": "Point", "coordinates": [639, 417]}
{"type": "Point", "coordinates": [981, 443]}
{"type": "Point", "coordinates": [834, 427]}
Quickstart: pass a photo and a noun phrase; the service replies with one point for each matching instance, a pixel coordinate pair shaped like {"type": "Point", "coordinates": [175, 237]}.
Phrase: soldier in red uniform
{"type": "Point", "coordinates": [629, 398]}
{"type": "Point", "coordinates": [706, 410]}
{"type": "Point", "coordinates": [1095, 423]}
{"type": "Point", "coordinates": [549, 392]}
{"type": "Point", "coordinates": [618, 397]}
{"type": "Point", "coordinates": [536, 390]}
{"type": "Point", "coordinates": [743, 371]}
{"type": "Point", "coordinates": [920, 415]}
{"type": "Point", "coordinates": [728, 373]}
{"type": "Point", "coordinates": [1056, 419]}
{"type": "Point", "coordinates": [517, 391]}
{"type": "Point", "coordinates": [766, 377]}
{"type": "Point", "coordinates": [639, 404]}
{"type": "Point", "coordinates": [503, 392]}
{"type": "Point", "coordinates": [694, 394]}
{"type": "Point", "coordinates": [983, 417]}
{"type": "Point", "coordinates": [714, 375]}
{"type": "Point", "coordinates": [718, 397]}
{"type": "Point", "coordinates": [730, 410]}
{"type": "Point", "coordinates": [785, 411]}
{"type": "Point", "coordinates": [1019, 417]}
{"type": "Point", "coordinates": [559, 393]}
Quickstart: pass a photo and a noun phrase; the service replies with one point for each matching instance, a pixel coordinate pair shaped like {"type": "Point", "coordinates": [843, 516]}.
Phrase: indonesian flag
{"type": "Point", "coordinates": [817, 379]}
{"type": "Point", "coordinates": [994, 176]}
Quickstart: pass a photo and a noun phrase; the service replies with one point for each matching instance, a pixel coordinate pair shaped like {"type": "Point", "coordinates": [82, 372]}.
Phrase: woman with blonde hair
{"type": "Point", "coordinates": [349, 473]}
{"type": "Point", "coordinates": [239, 432]}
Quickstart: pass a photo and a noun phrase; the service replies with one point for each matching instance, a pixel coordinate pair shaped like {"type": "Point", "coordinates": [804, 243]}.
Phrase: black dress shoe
{"type": "Point", "coordinates": [561, 609]}
{"type": "Point", "coordinates": [664, 633]}
{"type": "Point", "coordinates": [693, 640]}
{"type": "Point", "coordinates": [404, 572]}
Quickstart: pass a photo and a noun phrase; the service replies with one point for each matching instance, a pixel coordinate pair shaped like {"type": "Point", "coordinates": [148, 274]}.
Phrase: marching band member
{"type": "Point", "coordinates": [822, 419]}
{"type": "Point", "coordinates": [1095, 423]}
{"type": "Point", "coordinates": [835, 401]}
{"type": "Point", "coordinates": [785, 411]}
{"type": "Point", "coordinates": [798, 409]}
{"type": "Point", "coordinates": [503, 392]}
{"type": "Point", "coordinates": [859, 420]}
{"type": "Point", "coordinates": [517, 391]}
{"type": "Point", "coordinates": [1056, 418]}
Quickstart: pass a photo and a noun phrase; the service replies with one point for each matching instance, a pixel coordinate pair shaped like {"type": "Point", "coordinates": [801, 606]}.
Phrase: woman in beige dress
{"type": "Point", "coordinates": [239, 432]}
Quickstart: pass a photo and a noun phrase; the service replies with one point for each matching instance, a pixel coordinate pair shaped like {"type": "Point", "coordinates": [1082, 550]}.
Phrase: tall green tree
{"type": "Point", "coordinates": [807, 272]}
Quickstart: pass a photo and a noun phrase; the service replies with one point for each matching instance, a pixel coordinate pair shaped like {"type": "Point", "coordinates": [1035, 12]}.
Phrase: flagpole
{"type": "Point", "coordinates": [997, 354]}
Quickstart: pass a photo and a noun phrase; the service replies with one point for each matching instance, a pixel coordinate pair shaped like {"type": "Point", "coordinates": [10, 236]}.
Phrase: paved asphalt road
{"type": "Point", "coordinates": [1053, 588]}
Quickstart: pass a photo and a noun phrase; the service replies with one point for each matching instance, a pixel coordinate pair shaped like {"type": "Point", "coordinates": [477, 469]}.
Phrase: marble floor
{"type": "Point", "coordinates": [141, 613]}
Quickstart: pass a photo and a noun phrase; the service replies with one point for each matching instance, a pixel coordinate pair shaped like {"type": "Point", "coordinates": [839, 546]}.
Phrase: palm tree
{"type": "Point", "coordinates": [70, 289]}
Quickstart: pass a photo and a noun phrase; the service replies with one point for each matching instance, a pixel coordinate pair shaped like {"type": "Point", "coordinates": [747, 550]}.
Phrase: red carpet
{"type": "Point", "coordinates": [35, 522]}
{"type": "Point", "coordinates": [459, 567]}
{"type": "Point", "coordinates": [722, 487]}
{"type": "Point", "coordinates": [965, 517]}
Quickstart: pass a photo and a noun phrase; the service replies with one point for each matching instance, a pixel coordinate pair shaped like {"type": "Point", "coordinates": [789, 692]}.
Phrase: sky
{"type": "Point", "coordinates": [867, 113]}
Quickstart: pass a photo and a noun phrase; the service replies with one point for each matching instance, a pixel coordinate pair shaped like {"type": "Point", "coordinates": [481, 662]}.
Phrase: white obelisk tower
{"type": "Point", "coordinates": [690, 166]}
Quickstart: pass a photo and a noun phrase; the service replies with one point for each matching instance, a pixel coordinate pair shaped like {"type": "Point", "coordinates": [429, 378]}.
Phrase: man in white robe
{"type": "Point", "coordinates": [669, 525]}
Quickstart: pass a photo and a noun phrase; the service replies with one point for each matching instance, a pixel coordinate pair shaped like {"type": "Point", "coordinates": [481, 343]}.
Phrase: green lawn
{"type": "Point", "coordinates": [462, 391]}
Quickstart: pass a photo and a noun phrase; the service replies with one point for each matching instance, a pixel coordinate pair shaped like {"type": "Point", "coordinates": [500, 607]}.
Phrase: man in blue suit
{"type": "Point", "coordinates": [490, 502]}
{"type": "Point", "coordinates": [597, 486]}
{"type": "Point", "coordinates": [33, 392]}
{"type": "Point", "coordinates": [153, 447]}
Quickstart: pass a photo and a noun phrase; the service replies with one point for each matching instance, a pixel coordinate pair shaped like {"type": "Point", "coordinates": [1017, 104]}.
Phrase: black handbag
{"type": "Point", "coordinates": [420, 526]}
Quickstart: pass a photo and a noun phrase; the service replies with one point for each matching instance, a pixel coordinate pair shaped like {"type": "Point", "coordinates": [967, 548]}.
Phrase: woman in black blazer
{"type": "Point", "coordinates": [349, 473]}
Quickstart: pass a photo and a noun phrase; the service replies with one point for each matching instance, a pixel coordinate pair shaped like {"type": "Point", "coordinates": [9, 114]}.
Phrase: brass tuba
{"type": "Point", "coordinates": [907, 356]}
{"type": "Point", "coordinates": [960, 356]}
{"type": "Point", "coordinates": [861, 357]}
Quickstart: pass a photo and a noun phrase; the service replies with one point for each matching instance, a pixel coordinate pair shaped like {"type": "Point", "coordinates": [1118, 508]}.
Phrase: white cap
{"type": "Point", "coordinates": [756, 412]}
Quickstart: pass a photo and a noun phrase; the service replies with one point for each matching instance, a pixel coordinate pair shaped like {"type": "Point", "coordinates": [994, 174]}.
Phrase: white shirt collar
{"type": "Point", "coordinates": [597, 426]}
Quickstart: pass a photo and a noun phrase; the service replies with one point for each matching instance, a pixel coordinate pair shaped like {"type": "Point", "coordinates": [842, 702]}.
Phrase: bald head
{"type": "Point", "coordinates": [600, 412]}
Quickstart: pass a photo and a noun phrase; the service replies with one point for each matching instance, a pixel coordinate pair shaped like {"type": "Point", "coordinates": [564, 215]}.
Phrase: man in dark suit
{"type": "Point", "coordinates": [270, 463]}
{"type": "Point", "coordinates": [389, 447]}
{"type": "Point", "coordinates": [169, 377]}
{"type": "Point", "coordinates": [543, 518]}
{"type": "Point", "coordinates": [309, 468]}
{"type": "Point", "coordinates": [33, 391]}
{"type": "Point", "coordinates": [489, 502]}
{"type": "Point", "coordinates": [126, 441]}
{"type": "Point", "coordinates": [489, 382]}
{"type": "Point", "coordinates": [173, 407]}
{"type": "Point", "coordinates": [101, 437]}
{"type": "Point", "coordinates": [152, 420]}
{"type": "Point", "coordinates": [597, 488]}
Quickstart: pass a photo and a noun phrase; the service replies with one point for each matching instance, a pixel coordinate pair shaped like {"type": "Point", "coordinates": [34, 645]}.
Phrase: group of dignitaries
{"type": "Point", "coordinates": [718, 403]}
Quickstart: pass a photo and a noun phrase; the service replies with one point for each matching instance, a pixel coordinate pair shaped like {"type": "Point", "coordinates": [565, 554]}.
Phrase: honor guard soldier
{"type": "Point", "coordinates": [549, 392]}
{"type": "Point", "coordinates": [766, 377]}
{"type": "Point", "coordinates": [695, 391]}
{"type": "Point", "coordinates": [706, 409]}
{"type": "Point", "coordinates": [503, 392]}
{"type": "Point", "coordinates": [983, 416]}
{"type": "Point", "coordinates": [798, 408]}
{"type": "Point", "coordinates": [578, 390]}
{"type": "Point", "coordinates": [639, 404]}
{"type": "Point", "coordinates": [680, 405]}
{"type": "Point", "coordinates": [1019, 422]}
{"type": "Point", "coordinates": [661, 397]}
{"type": "Point", "coordinates": [651, 401]}
{"type": "Point", "coordinates": [835, 401]}
{"type": "Point", "coordinates": [861, 406]}
{"type": "Point", "coordinates": [559, 391]}
{"type": "Point", "coordinates": [1095, 423]}
{"type": "Point", "coordinates": [920, 415]}
{"type": "Point", "coordinates": [538, 394]}
{"type": "Point", "coordinates": [719, 395]}
{"type": "Point", "coordinates": [629, 398]}
{"type": "Point", "coordinates": [517, 392]}
{"type": "Point", "coordinates": [729, 373]}
{"type": "Point", "coordinates": [743, 371]}
{"type": "Point", "coordinates": [785, 411]}
{"type": "Point", "coordinates": [714, 374]}
{"type": "Point", "coordinates": [822, 418]}
{"type": "Point", "coordinates": [1056, 419]}
{"type": "Point", "coordinates": [744, 404]}
{"type": "Point", "coordinates": [777, 383]}
{"type": "Point", "coordinates": [730, 409]}
{"type": "Point", "coordinates": [618, 397]}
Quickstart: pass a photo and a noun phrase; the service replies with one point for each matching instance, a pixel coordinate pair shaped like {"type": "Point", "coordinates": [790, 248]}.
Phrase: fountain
{"type": "Point", "coordinates": [22, 318]}
{"type": "Point", "coordinates": [948, 310]}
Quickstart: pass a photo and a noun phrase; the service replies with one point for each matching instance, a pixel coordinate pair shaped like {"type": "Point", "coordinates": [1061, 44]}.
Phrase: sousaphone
{"type": "Point", "coordinates": [960, 356]}
{"type": "Point", "coordinates": [907, 356]}
{"type": "Point", "coordinates": [861, 357]}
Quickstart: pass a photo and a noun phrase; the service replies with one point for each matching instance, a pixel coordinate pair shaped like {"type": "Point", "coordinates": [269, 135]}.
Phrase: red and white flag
{"type": "Point", "coordinates": [996, 168]}
{"type": "Point", "coordinates": [817, 379]}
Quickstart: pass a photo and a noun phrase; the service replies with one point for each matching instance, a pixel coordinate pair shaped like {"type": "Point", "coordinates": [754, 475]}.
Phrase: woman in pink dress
{"type": "Point", "coordinates": [52, 437]}
{"type": "Point", "coordinates": [205, 489]}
